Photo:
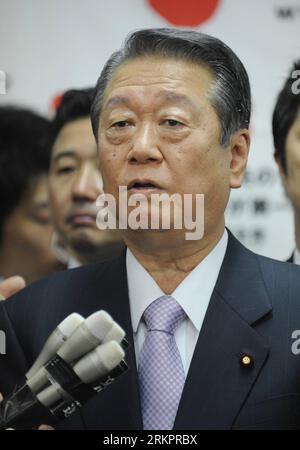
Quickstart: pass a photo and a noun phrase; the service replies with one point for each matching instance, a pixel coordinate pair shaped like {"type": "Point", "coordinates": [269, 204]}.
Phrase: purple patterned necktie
{"type": "Point", "coordinates": [161, 373]}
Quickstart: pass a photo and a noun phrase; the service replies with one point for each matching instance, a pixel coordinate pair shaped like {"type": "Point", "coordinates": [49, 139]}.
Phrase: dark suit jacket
{"type": "Point", "coordinates": [254, 309]}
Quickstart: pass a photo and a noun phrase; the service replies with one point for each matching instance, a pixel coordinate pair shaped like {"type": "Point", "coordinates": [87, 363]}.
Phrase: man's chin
{"type": "Point", "coordinates": [91, 238]}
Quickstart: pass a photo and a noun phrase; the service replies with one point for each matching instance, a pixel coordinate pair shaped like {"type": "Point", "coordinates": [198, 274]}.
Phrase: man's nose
{"type": "Point", "coordinates": [88, 184]}
{"type": "Point", "coordinates": [145, 148]}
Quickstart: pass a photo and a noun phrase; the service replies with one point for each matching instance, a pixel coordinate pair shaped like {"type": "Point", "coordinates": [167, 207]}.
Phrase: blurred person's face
{"type": "Point", "coordinates": [157, 125]}
{"type": "Point", "coordinates": [27, 234]}
{"type": "Point", "coordinates": [291, 179]}
{"type": "Point", "coordinates": [75, 182]}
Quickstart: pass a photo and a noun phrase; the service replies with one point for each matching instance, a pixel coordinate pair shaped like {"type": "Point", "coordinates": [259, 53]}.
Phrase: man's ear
{"type": "Point", "coordinates": [239, 149]}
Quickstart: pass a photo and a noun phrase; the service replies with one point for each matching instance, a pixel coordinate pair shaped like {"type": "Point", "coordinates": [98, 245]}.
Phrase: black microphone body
{"type": "Point", "coordinates": [73, 366]}
{"type": "Point", "coordinates": [23, 410]}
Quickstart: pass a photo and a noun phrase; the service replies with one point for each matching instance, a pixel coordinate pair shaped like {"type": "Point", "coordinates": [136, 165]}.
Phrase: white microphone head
{"type": "Point", "coordinates": [99, 324]}
{"type": "Point", "coordinates": [111, 353]}
{"type": "Point", "coordinates": [86, 337]}
{"type": "Point", "coordinates": [116, 333]}
{"type": "Point", "coordinates": [70, 323]}
{"type": "Point", "coordinates": [49, 396]}
{"type": "Point", "coordinates": [99, 362]}
{"type": "Point", "coordinates": [55, 341]}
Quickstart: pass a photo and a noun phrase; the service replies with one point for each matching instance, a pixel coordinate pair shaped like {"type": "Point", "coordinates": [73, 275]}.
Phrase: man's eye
{"type": "Point", "coordinates": [120, 124]}
{"type": "Point", "coordinates": [65, 170]}
{"type": "Point", "coordinates": [173, 122]}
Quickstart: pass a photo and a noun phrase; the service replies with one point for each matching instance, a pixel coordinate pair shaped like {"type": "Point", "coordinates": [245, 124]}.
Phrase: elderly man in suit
{"type": "Point", "coordinates": [209, 322]}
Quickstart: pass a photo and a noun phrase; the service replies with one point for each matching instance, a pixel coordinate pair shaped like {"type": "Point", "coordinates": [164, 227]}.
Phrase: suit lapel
{"type": "Point", "coordinates": [218, 382]}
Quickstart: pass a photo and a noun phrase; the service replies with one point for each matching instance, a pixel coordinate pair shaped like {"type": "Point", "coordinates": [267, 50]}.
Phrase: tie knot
{"type": "Point", "coordinates": [164, 314]}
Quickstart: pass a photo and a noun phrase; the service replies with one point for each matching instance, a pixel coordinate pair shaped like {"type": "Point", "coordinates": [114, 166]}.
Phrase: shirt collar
{"type": "Point", "coordinates": [193, 293]}
{"type": "Point", "coordinates": [142, 288]}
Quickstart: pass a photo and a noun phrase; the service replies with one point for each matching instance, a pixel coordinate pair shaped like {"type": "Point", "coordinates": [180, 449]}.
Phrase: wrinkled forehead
{"type": "Point", "coordinates": [164, 80]}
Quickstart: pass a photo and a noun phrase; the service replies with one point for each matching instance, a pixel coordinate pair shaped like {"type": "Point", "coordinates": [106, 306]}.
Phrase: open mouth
{"type": "Point", "coordinates": [142, 185]}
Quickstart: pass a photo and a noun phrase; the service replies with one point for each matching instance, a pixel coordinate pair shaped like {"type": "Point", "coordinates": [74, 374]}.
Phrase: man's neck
{"type": "Point", "coordinates": [170, 262]}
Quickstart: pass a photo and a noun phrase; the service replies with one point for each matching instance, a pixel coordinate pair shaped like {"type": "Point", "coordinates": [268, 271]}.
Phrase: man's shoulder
{"type": "Point", "coordinates": [281, 268]}
{"type": "Point", "coordinates": [277, 276]}
{"type": "Point", "coordinates": [32, 314]}
{"type": "Point", "coordinates": [70, 277]}
{"type": "Point", "coordinates": [281, 279]}
{"type": "Point", "coordinates": [266, 263]}
{"type": "Point", "coordinates": [70, 289]}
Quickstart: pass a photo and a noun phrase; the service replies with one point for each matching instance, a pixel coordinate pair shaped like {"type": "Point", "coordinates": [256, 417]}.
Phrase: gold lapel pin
{"type": "Point", "coordinates": [246, 360]}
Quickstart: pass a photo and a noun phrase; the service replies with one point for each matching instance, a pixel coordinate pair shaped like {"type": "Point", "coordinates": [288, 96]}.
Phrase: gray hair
{"type": "Point", "coordinates": [230, 95]}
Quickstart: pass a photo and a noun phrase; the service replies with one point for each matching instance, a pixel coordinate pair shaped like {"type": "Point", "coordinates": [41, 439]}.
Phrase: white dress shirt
{"type": "Point", "coordinates": [193, 294]}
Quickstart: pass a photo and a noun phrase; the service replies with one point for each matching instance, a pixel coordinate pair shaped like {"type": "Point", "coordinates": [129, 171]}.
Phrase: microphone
{"type": "Point", "coordinates": [84, 338]}
{"type": "Point", "coordinates": [93, 366]}
{"type": "Point", "coordinates": [55, 341]}
{"type": "Point", "coordinates": [116, 333]}
{"type": "Point", "coordinates": [87, 336]}
{"type": "Point", "coordinates": [86, 362]}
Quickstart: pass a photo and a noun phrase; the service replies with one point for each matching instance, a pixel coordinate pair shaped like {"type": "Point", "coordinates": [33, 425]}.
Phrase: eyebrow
{"type": "Point", "coordinates": [174, 97]}
{"type": "Point", "coordinates": [64, 154]}
{"type": "Point", "coordinates": [118, 100]}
